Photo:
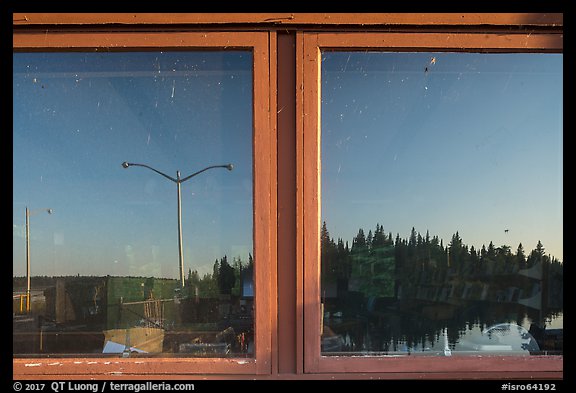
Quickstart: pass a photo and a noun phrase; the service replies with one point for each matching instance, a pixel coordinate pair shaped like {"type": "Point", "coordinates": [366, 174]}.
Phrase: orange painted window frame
{"type": "Point", "coordinates": [310, 194]}
{"type": "Point", "coordinates": [286, 350]}
{"type": "Point", "coordinates": [264, 205]}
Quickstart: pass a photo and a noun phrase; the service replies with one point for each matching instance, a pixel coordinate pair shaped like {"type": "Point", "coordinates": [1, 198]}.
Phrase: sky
{"type": "Point", "coordinates": [444, 142]}
{"type": "Point", "coordinates": [79, 116]}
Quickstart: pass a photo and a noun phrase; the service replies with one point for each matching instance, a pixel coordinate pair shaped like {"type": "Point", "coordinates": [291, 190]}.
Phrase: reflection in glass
{"type": "Point", "coordinates": [105, 274]}
{"type": "Point", "coordinates": [441, 203]}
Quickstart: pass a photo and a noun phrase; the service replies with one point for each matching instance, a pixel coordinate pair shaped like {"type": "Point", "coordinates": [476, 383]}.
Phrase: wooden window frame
{"type": "Point", "coordinates": [285, 227]}
{"type": "Point", "coordinates": [310, 46]}
{"type": "Point", "coordinates": [264, 203]}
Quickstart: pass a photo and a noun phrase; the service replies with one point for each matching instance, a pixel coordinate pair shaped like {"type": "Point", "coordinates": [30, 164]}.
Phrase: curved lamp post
{"type": "Point", "coordinates": [178, 181]}
{"type": "Point", "coordinates": [28, 214]}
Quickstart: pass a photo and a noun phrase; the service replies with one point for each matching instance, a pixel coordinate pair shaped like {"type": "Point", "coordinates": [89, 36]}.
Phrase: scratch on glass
{"type": "Point", "coordinates": [346, 65]}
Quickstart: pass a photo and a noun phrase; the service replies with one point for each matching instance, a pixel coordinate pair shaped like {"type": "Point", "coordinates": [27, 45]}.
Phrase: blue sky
{"type": "Point", "coordinates": [473, 145]}
{"type": "Point", "coordinates": [444, 142]}
{"type": "Point", "coordinates": [78, 116]}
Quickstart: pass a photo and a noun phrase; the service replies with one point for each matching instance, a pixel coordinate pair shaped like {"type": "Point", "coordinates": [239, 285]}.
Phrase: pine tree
{"type": "Point", "coordinates": [328, 255]}
{"type": "Point", "coordinates": [226, 277]}
{"type": "Point", "coordinates": [520, 257]}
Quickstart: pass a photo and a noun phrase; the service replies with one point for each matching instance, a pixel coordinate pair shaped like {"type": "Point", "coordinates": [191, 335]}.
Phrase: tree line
{"type": "Point", "coordinates": [225, 279]}
{"type": "Point", "coordinates": [381, 265]}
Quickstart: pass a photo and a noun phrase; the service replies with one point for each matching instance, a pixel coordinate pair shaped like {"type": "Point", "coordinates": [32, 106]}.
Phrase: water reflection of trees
{"type": "Point", "coordinates": [383, 293]}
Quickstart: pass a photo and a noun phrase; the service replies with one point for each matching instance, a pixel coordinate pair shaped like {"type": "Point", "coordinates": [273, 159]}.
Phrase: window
{"type": "Point", "coordinates": [434, 145]}
{"type": "Point", "coordinates": [287, 196]}
{"type": "Point", "coordinates": [140, 258]}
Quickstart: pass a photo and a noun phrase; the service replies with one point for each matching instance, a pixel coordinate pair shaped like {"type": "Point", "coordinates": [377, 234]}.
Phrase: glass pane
{"type": "Point", "coordinates": [130, 153]}
{"type": "Point", "coordinates": [441, 203]}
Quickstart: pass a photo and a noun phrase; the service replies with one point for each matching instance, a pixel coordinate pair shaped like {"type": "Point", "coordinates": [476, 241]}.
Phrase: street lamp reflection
{"type": "Point", "coordinates": [178, 180]}
{"type": "Point", "coordinates": [28, 286]}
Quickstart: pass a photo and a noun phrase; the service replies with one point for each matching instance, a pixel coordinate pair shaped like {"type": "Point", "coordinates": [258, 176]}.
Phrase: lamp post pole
{"type": "Point", "coordinates": [180, 247]}
{"type": "Point", "coordinates": [28, 286]}
{"type": "Point", "coordinates": [178, 180]}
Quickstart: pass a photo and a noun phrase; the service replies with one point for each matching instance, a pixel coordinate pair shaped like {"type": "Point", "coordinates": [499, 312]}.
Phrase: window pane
{"type": "Point", "coordinates": [441, 203]}
{"type": "Point", "coordinates": [105, 271]}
